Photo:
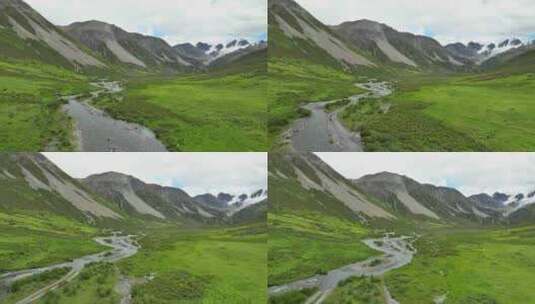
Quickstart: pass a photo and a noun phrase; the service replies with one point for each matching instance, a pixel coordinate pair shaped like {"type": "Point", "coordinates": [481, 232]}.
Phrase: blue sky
{"type": "Point", "coordinates": [196, 173]}
{"type": "Point", "coordinates": [176, 21]}
{"type": "Point", "coordinates": [447, 21]}
{"type": "Point", "coordinates": [471, 173]}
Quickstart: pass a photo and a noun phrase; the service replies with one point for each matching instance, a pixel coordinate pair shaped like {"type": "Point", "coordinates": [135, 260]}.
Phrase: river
{"type": "Point", "coordinates": [96, 131]}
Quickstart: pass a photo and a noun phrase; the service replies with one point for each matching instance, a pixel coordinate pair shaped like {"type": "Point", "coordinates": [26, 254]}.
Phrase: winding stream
{"type": "Point", "coordinates": [323, 132]}
{"type": "Point", "coordinates": [123, 247]}
{"type": "Point", "coordinates": [398, 252]}
{"type": "Point", "coordinates": [96, 131]}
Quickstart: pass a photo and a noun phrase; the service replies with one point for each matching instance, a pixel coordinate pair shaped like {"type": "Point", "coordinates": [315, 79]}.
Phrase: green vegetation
{"type": "Point", "coordinates": [209, 112]}
{"type": "Point", "coordinates": [469, 113]}
{"type": "Point", "coordinates": [292, 82]}
{"type": "Point", "coordinates": [303, 246]}
{"type": "Point", "coordinates": [469, 266]}
{"type": "Point", "coordinates": [31, 241]}
{"type": "Point", "coordinates": [208, 266]}
{"type": "Point", "coordinates": [30, 108]}
{"type": "Point", "coordinates": [293, 297]}
{"type": "Point", "coordinates": [21, 289]}
{"type": "Point", "coordinates": [356, 290]}
{"type": "Point", "coordinates": [333, 106]}
{"type": "Point", "coordinates": [95, 284]}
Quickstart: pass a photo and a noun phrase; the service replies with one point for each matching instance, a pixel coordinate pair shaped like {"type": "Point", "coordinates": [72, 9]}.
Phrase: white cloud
{"type": "Point", "coordinates": [470, 173]}
{"type": "Point", "coordinates": [176, 21]}
{"type": "Point", "coordinates": [195, 173]}
{"type": "Point", "coordinates": [449, 21]}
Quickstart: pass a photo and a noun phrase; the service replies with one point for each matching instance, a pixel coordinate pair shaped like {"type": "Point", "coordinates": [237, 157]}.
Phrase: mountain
{"type": "Point", "coordinates": [295, 33]}
{"type": "Point", "coordinates": [30, 183]}
{"type": "Point", "coordinates": [414, 199]}
{"type": "Point", "coordinates": [390, 46]}
{"type": "Point", "coordinates": [229, 203]}
{"type": "Point", "coordinates": [303, 183]}
{"type": "Point", "coordinates": [255, 53]}
{"type": "Point", "coordinates": [138, 198]}
{"type": "Point", "coordinates": [251, 214]}
{"type": "Point", "coordinates": [479, 53]}
{"type": "Point", "coordinates": [206, 54]}
{"type": "Point", "coordinates": [25, 34]}
{"type": "Point", "coordinates": [119, 46]}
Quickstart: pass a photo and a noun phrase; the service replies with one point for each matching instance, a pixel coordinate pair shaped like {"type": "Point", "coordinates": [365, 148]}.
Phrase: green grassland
{"type": "Point", "coordinates": [21, 289]}
{"type": "Point", "coordinates": [293, 82]}
{"type": "Point", "coordinates": [29, 241]}
{"type": "Point", "coordinates": [303, 246]}
{"type": "Point", "coordinates": [95, 284]}
{"type": "Point", "coordinates": [469, 266]}
{"type": "Point", "coordinates": [310, 232]}
{"type": "Point", "coordinates": [487, 112]}
{"type": "Point", "coordinates": [356, 290]}
{"type": "Point", "coordinates": [30, 109]}
{"type": "Point", "coordinates": [209, 112]}
{"type": "Point", "coordinates": [201, 266]}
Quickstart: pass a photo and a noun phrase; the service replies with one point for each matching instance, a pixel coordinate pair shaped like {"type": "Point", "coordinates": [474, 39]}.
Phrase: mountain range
{"type": "Point", "coordinates": [365, 44]}
{"type": "Point", "coordinates": [31, 183]}
{"type": "Point", "coordinates": [25, 34]}
{"type": "Point", "coordinates": [388, 197]}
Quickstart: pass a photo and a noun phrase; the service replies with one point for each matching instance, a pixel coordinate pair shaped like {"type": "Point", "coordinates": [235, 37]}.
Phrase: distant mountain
{"type": "Point", "coordinates": [255, 52]}
{"type": "Point", "coordinates": [304, 183]}
{"type": "Point", "coordinates": [295, 33]}
{"type": "Point", "coordinates": [30, 183]}
{"type": "Point", "coordinates": [412, 198]}
{"type": "Point", "coordinates": [479, 53]}
{"type": "Point", "coordinates": [25, 34]}
{"type": "Point", "coordinates": [205, 54]}
{"type": "Point", "coordinates": [138, 198]}
{"type": "Point", "coordinates": [390, 46]}
{"type": "Point", "coordinates": [231, 204]}
{"type": "Point", "coordinates": [119, 46]}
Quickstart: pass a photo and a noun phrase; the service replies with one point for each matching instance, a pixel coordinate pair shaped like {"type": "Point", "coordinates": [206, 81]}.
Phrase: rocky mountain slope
{"type": "Point", "coordinates": [414, 199]}
{"type": "Point", "coordinates": [25, 34]}
{"type": "Point", "coordinates": [119, 46]}
{"type": "Point", "coordinates": [295, 33]}
{"type": "Point", "coordinates": [31, 183]}
{"type": "Point", "coordinates": [390, 46]}
{"type": "Point", "coordinates": [138, 198]}
{"type": "Point", "coordinates": [304, 182]}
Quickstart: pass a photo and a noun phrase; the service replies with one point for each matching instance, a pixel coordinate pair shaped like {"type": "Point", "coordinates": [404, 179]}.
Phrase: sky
{"type": "Point", "coordinates": [470, 173]}
{"type": "Point", "coordinates": [195, 173]}
{"type": "Point", "coordinates": [447, 21]}
{"type": "Point", "coordinates": [176, 21]}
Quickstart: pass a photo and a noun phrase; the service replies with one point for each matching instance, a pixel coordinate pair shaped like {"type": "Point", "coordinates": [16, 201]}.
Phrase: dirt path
{"type": "Point", "coordinates": [123, 247]}
{"type": "Point", "coordinates": [96, 131]}
{"type": "Point", "coordinates": [323, 132]}
{"type": "Point", "coordinates": [398, 252]}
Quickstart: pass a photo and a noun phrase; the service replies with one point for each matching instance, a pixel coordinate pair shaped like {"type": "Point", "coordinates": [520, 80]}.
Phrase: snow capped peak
{"type": "Point", "coordinates": [214, 51]}
{"type": "Point", "coordinates": [487, 51]}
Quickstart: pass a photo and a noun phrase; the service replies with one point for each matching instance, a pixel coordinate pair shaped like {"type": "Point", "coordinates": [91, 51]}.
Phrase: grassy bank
{"type": "Point", "coordinates": [30, 109]}
{"type": "Point", "coordinates": [219, 112]}
{"type": "Point", "coordinates": [292, 82]}
{"type": "Point", "coordinates": [33, 241]}
{"type": "Point", "coordinates": [469, 113]}
{"type": "Point", "coordinates": [215, 266]}
{"type": "Point", "coordinates": [303, 246]}
{"type": "Point", "coordinates": [469, 266]}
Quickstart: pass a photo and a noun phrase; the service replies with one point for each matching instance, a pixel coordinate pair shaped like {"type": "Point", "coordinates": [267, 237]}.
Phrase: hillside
{"type": "Point", "coordinates": [121, 47]}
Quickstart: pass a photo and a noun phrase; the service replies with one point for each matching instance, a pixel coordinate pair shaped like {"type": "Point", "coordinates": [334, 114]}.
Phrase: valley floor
{"type": "Point", "coordinates": [173, 265]}
{"type": "Point", "coordinates": [464, 113]}
{"type": "Point", "coordinates": [198, 112]}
